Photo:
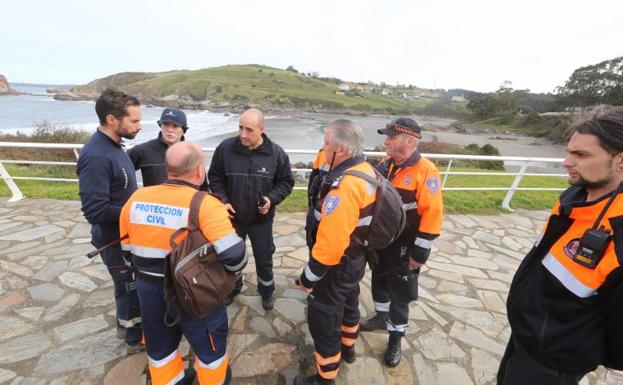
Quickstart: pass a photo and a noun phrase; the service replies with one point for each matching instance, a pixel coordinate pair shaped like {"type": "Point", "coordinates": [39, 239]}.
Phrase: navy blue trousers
{"type": "Point", "coordinates": [126, 300]}
{"type": "Point", "coordinates": [261, 236]}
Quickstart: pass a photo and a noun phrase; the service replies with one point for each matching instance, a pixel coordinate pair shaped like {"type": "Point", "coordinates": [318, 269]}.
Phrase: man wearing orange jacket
{"type": "Point", "coordinates": [320, 169]}
{"type": "Point", "coordinates": [337, 262]}
{"type": "Point", "coordinates": [149, 218]}
{"type": "Point", "coordinates": [395, 274]}
{"type": "Point", "coordinates": [565, 303]}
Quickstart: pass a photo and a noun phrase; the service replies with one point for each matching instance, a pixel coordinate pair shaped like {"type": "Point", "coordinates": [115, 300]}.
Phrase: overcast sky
{"type": "Point", "coordinates": [477, 44]}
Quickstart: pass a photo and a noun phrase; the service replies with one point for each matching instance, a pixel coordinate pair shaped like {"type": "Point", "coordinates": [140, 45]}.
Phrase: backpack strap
{"type": "Point", "coordinates": [368, 178]}
{"type": "Point", "coordinates": [195, 207]}
{"type": "Point", "coordinates": [378, 204]}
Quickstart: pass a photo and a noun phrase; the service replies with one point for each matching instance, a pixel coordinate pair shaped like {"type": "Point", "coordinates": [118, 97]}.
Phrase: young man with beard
{"type": "Point", "coordinates": [565, 304]}
{"type": "Point", "coordinates": [106, 181]}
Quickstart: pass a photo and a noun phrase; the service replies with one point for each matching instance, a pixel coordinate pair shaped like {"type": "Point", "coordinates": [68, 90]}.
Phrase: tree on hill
{"type": "Point", "coordinates": [600, 83]}
{"type": "Point", "coordinates": [292, 69]}
{"type": "Point", "coordinates": [501, 102]}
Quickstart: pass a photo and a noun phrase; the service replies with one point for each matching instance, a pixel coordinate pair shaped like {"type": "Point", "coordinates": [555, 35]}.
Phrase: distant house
{"type": "Point", "coordinates": [385, 92]}
{"type": "Point", "coordinates": [344, 87]}
{"type": "Point", "coordinates": [340, 93]}
{"type": "Point", "coordinates": [458, 98]}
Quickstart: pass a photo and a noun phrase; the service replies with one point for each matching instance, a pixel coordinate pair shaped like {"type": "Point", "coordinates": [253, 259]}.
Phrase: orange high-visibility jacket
{"type": "Point", "coordinates": [568, 316]}
{"type": "Point", "coordinates": [153, 214]}
{"type": "Point", "coordinates": [418, 182]}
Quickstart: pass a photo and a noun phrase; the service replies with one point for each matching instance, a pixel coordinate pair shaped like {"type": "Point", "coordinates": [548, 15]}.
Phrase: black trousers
{"type": "Point", "coordinates": [518, 367]}
{"type": "Point", "coordinates": [261, 236]}
{"type": "Point", "coordinates": [392, 284]}
{"type": "Point", "coordinates": [333, 313]}
{"type": "Point", "coordinates": [126, 298]}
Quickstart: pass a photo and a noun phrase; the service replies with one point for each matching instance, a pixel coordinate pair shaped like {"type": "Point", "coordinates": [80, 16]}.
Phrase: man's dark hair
{"type": "Point", "coordinates": [114, 103]}
{"type": "Point", "coordinates": [607, 127]}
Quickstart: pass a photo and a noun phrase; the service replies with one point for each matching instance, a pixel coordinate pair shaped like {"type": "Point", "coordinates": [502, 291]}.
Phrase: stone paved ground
{"type": "Point", "coordinates": [58, 326]}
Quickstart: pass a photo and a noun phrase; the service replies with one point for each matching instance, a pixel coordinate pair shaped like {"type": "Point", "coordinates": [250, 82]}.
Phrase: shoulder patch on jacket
{"type": "Point", "coordinates": [330, 204]}
{"type": "Point", "coordinates": [433, 184]}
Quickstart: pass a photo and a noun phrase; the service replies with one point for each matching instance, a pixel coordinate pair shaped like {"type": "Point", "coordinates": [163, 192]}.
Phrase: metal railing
{"type": "Point", "coordinates": [523, 162]}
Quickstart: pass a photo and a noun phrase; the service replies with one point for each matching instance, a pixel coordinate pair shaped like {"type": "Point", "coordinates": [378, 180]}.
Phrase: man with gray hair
{"type": "Point", "coordinates": [337, 264]}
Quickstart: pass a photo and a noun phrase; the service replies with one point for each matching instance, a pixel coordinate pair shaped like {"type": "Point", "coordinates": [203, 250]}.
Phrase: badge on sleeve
{"type": "Point", "coordinates": [433, 184]}
{"type": "Point", "coordinates": [330, 204]}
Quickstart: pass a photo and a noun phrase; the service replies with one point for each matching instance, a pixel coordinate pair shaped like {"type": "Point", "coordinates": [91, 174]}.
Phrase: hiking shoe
{"type": "Point", "coordinates": [393, 353]}
{"type": "Point", "coordinates": [268, 302]}
{"type": "Point", "coordinates": [135, 347]}
{"type": "Point", "coordinates": [312, 380]}
{"type": "Point", "coordinates": [378, 322]}
{"type": "Point", "coordinates": [348, 354]}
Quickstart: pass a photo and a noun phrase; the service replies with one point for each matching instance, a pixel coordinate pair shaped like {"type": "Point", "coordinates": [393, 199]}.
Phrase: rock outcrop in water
{"type": "Point", "coordinates": [5, 89]}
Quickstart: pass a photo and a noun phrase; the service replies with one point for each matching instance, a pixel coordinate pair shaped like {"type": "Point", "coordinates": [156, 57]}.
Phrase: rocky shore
{"type": "Point", "coordinates": [5, 89]}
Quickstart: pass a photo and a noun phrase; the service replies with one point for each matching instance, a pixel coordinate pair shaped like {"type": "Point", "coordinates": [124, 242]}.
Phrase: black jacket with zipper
{"type": "Point", "coordinates": [239, 175]}
{"type": "Point", "coordinates": [566, 332]}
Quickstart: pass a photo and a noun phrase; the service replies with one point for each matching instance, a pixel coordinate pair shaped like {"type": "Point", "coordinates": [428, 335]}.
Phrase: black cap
{"type": "Point", "coordinates": [399, 126]}
{"type": "Point", "coordinates": [175, 116]}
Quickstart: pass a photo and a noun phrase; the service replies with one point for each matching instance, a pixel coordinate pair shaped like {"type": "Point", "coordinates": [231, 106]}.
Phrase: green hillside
{"type": "Point", "coordinates": [236, 86]}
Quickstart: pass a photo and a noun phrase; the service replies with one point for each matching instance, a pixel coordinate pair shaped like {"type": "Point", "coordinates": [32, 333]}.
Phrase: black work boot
{"type": "Point", "coordinates": [378, 322]}
{"type": "Point", "coordinates": [348, 354]}
{"type": "Point", "coordinates": [393, 353]}
{"type": "Point", "coordinates": [268, 302]}
{"type": "Point", "coordinates": [312, 380]}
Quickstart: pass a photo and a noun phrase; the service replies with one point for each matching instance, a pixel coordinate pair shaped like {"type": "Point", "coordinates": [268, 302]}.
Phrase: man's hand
{"type": "Point", "coordinates": [298, 284]}
{"type": "Point", "coordinates": [263, 209]}
{"type": "Point", "coordinates": [413, 265]}
{"type": "Point", "coordinates": [230, 210]}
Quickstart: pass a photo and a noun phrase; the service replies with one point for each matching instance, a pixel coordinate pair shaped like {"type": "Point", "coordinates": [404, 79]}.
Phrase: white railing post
{"type": "Point", "coordinates": [509, 195]}
{"type": "Point", "coordinates": [17, 194]}
{"type": "Point", "coordinates": [76, 154]}
{"type": "Point", "coordinates": [445, 177]}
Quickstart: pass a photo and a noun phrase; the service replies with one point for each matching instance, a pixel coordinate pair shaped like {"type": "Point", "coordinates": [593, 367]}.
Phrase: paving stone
{"type": "Point", "coordinates": [437, 345]}
{"type": "Point", "coordinates": [488, 284]}
{"type": "Point", "coordinates": [77, 281]}
{"type": "Point", "coordinates": [80, 328]}
{"type": "Point", "coordinates": [6, 375]}
{"type": "Point", "coordinates": [365, 370]}
{"type": "Point", "coordinates": [302, 254]}
{"type": "Point", "coordinates": [492, 300]}
{"type": "Point", "coordinates": [261, 326]}
{"type": "Point", "coordinates": [46, 292]}
{"type": "Point", "coordinates": [268, 359]}
{"type": "Point", "coordinates": [22, 348]}
{"type": "Point", "coordinates": [464, 221]}
{"type": "Point", "coordinates": [35, 262]}
{"type": "Point", "coordinates": [239, 322]}
{"type": "Point", "coordinates": [34, 233]}
{"type": "Point", "coordinates": [452, 374]}
{"type": "Point", "coordinates": [127, 371]}
{"type": "Point", "coordinates": [463, 270]}
{"type": "Point", "coordinates": [432, 314]}
{"type": "Point", "coordinates": [99, 271]}
{"type": "Point", "coordinates": [291, 309]}
{"type": "Point", "coordinates": [99, 298]}
{"type": "Point", "coordinates": [61, 308]}
{"type": "Point", "coordinates": [460, 301]}
{"type": "Point", "coordinates": [446, 275]}
{"type": "Point", "coordinates": [16, 269]}
{"type": "Point", "coordinates": [10, 299]}
{"type": "Point", "coordinates": [13, 327]}
{"type": "Point", "coordinates": [236, 343]}
{"type": "Point", "coordinates": [50, 271]}
{"type": "Point", "coordinates": [482, 320]}
{"type": "Point", "coordinates": [31, 313]}
{"type": "Point", "coordinates": [479, 263]}
{"type": "Point", "coordinates": [484, 366]}
{"type": "Point", "coordinates": [81, 230]}
{"type": "Point", "coordinates": [448, 286]}
{"type": "Point", "coordinates": [282, 327]}
{"type": "Point", "coordinates": [424, 372]}
{"type": "Point", "coordinates": [254, 302]}
{"type": "Point", "coordinates": [86, 352]}
{"type": "Point", "coordinates": [295, 294]}
{"type": "Point", "coordinates": [475, 338]}
{"type": "Point", "coordinates": [28, 381]}
{"type": "Point", "coordinates": [16, 283]}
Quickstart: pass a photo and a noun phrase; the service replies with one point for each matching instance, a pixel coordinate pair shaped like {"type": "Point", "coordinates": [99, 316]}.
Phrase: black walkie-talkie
{"type": "Point", "coordinates": [595, 240]}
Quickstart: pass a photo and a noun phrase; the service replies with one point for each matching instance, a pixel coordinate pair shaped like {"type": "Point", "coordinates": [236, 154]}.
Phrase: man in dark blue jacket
{"type": "Point", "coordinates": [252, 175]}
{"type": "Point", "coordinates": [107, 179]}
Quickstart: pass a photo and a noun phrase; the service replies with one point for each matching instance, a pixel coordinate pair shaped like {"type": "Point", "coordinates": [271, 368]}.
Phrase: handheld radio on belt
{"type": "Point", "coordinates": [594, 241]}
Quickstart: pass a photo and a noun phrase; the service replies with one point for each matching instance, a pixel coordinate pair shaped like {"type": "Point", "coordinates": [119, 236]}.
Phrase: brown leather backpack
{"type": "Point", "coordinates": [194, 279]}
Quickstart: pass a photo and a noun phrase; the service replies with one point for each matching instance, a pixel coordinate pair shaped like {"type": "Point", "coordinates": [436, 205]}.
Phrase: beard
{"type": "Point", "coordinates": [590, 185]}
{"type": "Point", "coordinates": [123, 133]}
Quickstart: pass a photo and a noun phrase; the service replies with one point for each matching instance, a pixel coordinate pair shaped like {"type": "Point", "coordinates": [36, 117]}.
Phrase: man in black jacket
{"type": "Point", "coordinates": [149, 156]}
{"type": "Point", "coordinates": [565, 304]}
{"type": "Point", "coordinates": [106, 181]}
{"type": "Point", "coordinates": [252, 175]}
